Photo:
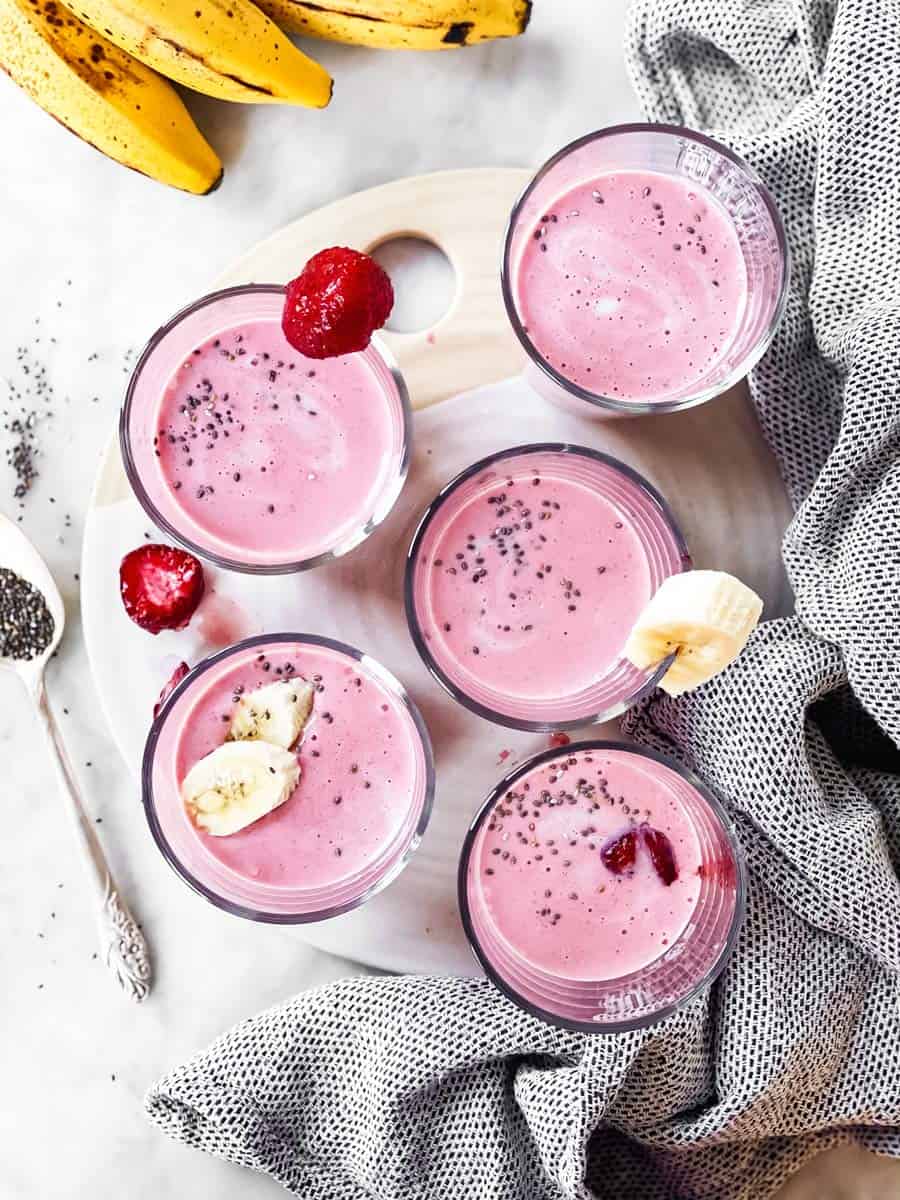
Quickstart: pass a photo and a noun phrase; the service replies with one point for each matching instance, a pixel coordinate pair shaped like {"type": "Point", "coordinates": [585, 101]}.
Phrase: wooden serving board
{"type": "Point", "coordinates": [710, 462]}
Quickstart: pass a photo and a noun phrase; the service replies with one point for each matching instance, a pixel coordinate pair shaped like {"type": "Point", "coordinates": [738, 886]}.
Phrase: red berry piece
{"type": "Point", "coordinates": [559, 739]}
{"type": "Point", "coordinates": [720, 870]}
{"type": "Point", "coordinates": [618, 853]}
{"type": "Point", "coordinates": [161, 586]}
{"type": "Point", "coordinates": [174, 679]}
{"type": "Point", "coordinates": [661, 854]}
{"type": "Point", "coordinates": [336, 303]}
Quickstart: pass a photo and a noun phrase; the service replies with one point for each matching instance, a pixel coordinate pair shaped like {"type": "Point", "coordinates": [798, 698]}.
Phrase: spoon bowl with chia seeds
{"type": "Point", "coordinates": [32, 620]}
{"type": "Point", "coordinates": [32, 616]}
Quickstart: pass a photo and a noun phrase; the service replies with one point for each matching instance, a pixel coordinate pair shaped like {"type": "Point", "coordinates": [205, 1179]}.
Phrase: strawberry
{"type": "Point", "coordinates": [169, 687]}
{"type": "Point", "coordinates": [559, 739]}
{"type": "Point", "coordinates": [160, 586]}
{"type": "Point", "coordinates": [619, 853]}
{"type": "Point", "coordinates": [336, 303]}
{"type": "Point", "coordinates": [661, 854]}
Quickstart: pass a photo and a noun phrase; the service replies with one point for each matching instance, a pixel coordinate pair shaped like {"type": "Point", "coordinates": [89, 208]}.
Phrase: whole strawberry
{"type": "Point", "coordinates": [336, 303]}
{"type": "Point", "coordinates": [160, 586]}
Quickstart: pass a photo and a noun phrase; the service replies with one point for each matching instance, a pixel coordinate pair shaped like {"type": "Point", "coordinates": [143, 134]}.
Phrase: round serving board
{"type": "Point", "coordinates": [710, 462]}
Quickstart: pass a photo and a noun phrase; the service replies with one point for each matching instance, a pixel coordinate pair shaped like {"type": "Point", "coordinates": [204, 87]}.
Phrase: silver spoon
{"type": "Point", "coordinates": [122, 944]}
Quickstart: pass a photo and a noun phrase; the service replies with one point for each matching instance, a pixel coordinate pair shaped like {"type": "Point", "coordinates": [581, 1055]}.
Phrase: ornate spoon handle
{"type": "Point", "coordinates": [122, 944]}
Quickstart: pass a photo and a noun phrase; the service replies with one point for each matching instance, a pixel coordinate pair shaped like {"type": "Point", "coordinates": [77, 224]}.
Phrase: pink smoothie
{"type": "Point", "coordinates": [538, 881]}
{"type": "Point", "coordinates": [529, 577]}
{"type": "Point", "coordinates": [263, 450]}
{"type": "Point", "coordinates": [632, 285]}
{"type": "Point", "coordinates": [534, 589]}
{"type": "Point", "coordinates": [363, 773]}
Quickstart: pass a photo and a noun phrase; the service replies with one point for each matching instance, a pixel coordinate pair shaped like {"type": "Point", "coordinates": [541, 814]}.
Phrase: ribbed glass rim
{"type": "Point", "coordinates": [740, 901]}
{"type": "Point", "coordinates": [640, 407]}
{"type": "Point", "coordinates": [347, 543]}
{"type": "Point", "coordinates": [269, 639]}
{"type": "Point", "coordinates": [447, 491]}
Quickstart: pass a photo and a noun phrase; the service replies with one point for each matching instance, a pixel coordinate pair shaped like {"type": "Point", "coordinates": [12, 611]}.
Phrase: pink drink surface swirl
{"type": "Point", "coordinates": [632, 285]}
{"type": "Point", "coordinates": [534, 586]}
{"type": "Point", "coordinates": [263, 450]}
{"type": "Point", "coordinates": [526, 577]}
{"type": "Point", "coordinates": [537, 877]}
{"type": "Point", "coordinates": [360, 759]}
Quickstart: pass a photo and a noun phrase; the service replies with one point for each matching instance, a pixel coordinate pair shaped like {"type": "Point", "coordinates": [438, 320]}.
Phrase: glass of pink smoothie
{"type": "Point", "coordinates": [645, 269]}
{"type": "Point", "coordinates": [252, 455]}
{"type": "Point", "coordinates": [525, 577]}
{"type": "Point", "coordinates": [358, 812]}
{"type": "Point", "coordinates": [601, 886]}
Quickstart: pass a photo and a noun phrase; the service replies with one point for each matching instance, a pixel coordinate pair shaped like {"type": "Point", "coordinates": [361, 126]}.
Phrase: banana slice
{"type": "Point", "coordinates": [238, 783]}
{"type": "Point", "coordinates": [275, 713]}
{"type": "Point", "coordinates": [704, 617]}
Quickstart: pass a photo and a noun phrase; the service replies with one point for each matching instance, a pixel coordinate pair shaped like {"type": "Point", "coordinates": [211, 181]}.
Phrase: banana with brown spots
{"type": "Point", "coordinates": [103, 95]}
{"type": "Point", "coordinates": [403, 24]}
{"type": "Point", "coordinates": [226, 48]}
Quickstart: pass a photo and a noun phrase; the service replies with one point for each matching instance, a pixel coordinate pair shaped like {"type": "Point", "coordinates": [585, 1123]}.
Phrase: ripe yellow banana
{"type": "Point", "coordinates": [226, 48]}
{"type": "Point", "coordinates": [403, 24]}
{"type": "Point", "coordinates": [103, 95]}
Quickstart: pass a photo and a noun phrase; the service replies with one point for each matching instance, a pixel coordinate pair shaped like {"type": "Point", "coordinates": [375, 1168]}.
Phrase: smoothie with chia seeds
{"type": "Point", "coordinates": [528, 575]}
{"type": "Point", "coordinates": [252, 454]}
{"type": "Point", "coordinates": [357, 809]}
{"type": "Point", "coordinates": [539, 866]}
{"type": "Point", "coordinates": [264, 450]}
{"type": "Point", "coordinates": [632, 285]}
{"type": "Point", "coordinates": [601, 886]}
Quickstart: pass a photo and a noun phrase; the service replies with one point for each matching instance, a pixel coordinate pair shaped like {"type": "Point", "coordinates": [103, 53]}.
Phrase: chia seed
{"type": "Point", "coordinates": [26, 626]}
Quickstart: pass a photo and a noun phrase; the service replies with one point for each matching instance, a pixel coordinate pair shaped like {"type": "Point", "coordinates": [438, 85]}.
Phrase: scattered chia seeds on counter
{"type": "Point", "coordinates": [32, 397]}
{"type": "Point", "coordinates": [26, 626]}
{"type": "Point", "coordinates": [27, 404]}
{"type": "Point", "coordinates": [21, 453]}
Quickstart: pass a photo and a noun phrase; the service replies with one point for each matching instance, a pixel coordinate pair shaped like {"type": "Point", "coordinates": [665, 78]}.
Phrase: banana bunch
{"type": "Point", "coordinates": [101, 67]}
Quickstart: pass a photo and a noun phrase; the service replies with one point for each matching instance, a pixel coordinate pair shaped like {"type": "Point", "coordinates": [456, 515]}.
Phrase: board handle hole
{"type": "Point", "coordinates": [424, 281]}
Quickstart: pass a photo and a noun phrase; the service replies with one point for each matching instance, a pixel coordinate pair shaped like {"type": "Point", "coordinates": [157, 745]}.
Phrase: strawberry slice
{"type": "Point", "coordinates": [336, 303]}
{"type": "Point", "coordinates": [559, 739]}
{"type": "Point", "coordinates": [618, 854]}
{"type": "Point", "coordinates": [160, 586]}
{"type": "Point", "coordinates": [661, 854]}
{"type": "Point", "coordinates": [169, 687]}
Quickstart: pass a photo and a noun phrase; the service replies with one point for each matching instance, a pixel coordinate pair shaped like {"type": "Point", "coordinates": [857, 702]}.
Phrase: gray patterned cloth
{"type": "Point", "coordinates": [395, 1088]}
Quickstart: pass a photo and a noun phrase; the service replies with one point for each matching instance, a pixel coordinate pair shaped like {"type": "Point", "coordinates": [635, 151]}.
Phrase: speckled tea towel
{"type": "Point", "coordinates": [438, 1088]}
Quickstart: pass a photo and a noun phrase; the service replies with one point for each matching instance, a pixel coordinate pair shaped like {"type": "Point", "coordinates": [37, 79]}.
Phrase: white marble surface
{"type": "Point", "coordinates": [76, 1056]}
